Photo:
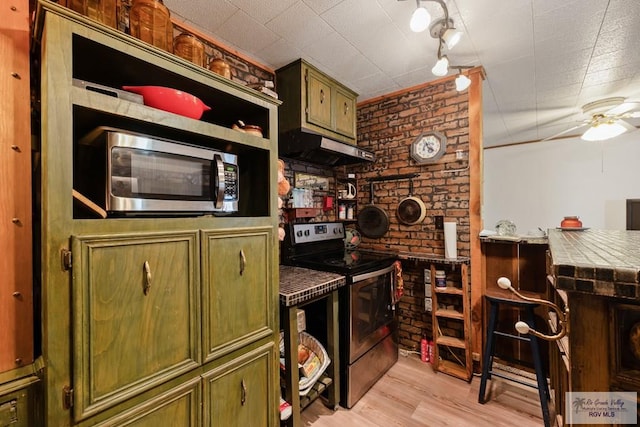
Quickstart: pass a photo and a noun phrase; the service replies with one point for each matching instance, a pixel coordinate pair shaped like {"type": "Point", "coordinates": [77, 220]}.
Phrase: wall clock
{"type": "Point", "coordinates": [428, 147]}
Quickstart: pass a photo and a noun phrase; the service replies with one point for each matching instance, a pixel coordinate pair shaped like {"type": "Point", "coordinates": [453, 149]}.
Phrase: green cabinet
{"type": "Point", "coordinates": [235, 394]}
{"type": "Point", "coordinates": [237, 287]}
{"type": "Point", "coordinates": [152, 320]}
{"type": "Point", "coordinates": [136, 309]}
{"type": "Point", "coordinates": [316, 103]}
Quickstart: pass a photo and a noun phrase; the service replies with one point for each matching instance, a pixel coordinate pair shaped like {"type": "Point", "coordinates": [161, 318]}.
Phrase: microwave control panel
{"type": "Point", "coordinates": [230, 182]}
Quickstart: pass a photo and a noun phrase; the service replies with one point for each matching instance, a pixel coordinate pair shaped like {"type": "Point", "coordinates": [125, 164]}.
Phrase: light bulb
{"type": "Point", "coordinates": [451, 37]}
{"type": "Point", "coordinates": [420, 20]}
{"type": "Point", "coordinates": [441, 68]}
{"type": "Point", "coordinates": [462, 82]}
{"type": "Point", "coordinates": [602, 131]}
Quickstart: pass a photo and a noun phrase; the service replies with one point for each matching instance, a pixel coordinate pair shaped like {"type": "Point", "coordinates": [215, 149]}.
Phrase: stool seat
{"type": "Point", "coordinates": [495, 299]}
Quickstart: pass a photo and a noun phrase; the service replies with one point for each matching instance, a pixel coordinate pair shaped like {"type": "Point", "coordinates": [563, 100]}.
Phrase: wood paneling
{"type": "Point", "coordinates": [16, 304]}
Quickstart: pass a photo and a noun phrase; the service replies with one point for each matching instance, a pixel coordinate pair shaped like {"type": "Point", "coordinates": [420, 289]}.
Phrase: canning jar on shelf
{"type": "Point", "coordinates": [100, 10]}
{"type": "Point", "coordinates": [150, 21]}
{"type": "Point", "coordinates": [188, 46]}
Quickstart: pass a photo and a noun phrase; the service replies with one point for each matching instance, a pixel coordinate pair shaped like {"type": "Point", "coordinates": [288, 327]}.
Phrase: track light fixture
{"type": "Point", "coordinates": [445, 31]}
{"type": "Point", "coordinates": [420, 19]}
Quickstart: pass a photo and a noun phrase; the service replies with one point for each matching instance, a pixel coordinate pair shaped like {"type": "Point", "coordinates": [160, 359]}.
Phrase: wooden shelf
{"type": "Point", "coordinates": [448, 290]}
{"type": "Point", "coordinates": [451, 341]}
{"type": "Point", "coordinates": [452, 368]}
{"type": "Point", "coordinates": [451, 314]}
{"type": "Point", "coordinates": [458, 297]}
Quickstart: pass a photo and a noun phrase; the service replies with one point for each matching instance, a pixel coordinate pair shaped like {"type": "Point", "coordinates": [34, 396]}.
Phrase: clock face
{"type": "Point", "coordinates": [428, 147]}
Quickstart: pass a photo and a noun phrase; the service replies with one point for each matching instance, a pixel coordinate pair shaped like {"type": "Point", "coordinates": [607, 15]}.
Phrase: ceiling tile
{"type": "Point", "coordinates": [265, 10]}
{"type": "Point", "coordinates": [300, 25]}
{"type": "Point", "coordinates": [209, 18]}
{"type": "Point", "coordinates": [244, 32]}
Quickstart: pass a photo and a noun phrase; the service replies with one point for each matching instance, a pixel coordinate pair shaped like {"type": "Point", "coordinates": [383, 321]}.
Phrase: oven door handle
{"type": "Point", "coordinates": [365, 276]}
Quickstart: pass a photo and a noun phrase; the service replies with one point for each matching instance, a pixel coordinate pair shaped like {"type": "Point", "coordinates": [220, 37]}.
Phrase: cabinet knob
{"type": "Point", "coordinates": [321, 96]}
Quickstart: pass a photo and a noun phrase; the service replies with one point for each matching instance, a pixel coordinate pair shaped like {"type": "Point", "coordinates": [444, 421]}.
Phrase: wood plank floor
{"type": "Point", "coordinates": [411, 394]}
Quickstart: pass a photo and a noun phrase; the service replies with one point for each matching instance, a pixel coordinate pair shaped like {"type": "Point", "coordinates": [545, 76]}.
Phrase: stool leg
{"type": "Point", "coordinates": [487, 359]}
{"type": "Point", "coordinates": [543, 389]}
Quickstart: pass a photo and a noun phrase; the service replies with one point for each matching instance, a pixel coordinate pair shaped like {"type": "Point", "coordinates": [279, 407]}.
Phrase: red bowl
{"type": "Point", "coordinates": [171, 100]}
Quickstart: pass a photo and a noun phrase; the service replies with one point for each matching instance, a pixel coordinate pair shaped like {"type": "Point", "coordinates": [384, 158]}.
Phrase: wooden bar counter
{"type": "Point", "coordinates": [597, 274]}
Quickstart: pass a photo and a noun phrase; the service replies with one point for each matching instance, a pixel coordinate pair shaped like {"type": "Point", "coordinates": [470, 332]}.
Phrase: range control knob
{"type": "Point", "coordinates": [306, 232]}
{"type": "Point", "coordinates": [299, 233]}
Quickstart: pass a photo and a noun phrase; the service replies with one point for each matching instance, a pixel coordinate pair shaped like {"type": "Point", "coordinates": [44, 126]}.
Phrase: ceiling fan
{"type": "Point", "coordinates": [607, 119]}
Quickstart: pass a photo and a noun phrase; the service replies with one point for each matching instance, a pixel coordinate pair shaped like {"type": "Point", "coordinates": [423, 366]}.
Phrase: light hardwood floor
{"type": "Point", "coordinates": [411, 394]}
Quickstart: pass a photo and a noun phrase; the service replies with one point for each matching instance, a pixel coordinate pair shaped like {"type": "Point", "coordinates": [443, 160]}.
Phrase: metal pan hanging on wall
{"type": "Point", "coordinates": [373, 221]}
{"type": "Point", "coordinates": [411, 210]}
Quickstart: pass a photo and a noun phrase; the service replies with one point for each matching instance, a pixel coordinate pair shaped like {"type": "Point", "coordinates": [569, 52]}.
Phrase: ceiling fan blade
{"type": "Point", "coordinates": [628, 126]}
{"type": "Point", "coordinates": [622, 108]}
{"type": "Point", "coordinates": [564, 132]}
{"type": "Point", "coordinates": [633, 115]}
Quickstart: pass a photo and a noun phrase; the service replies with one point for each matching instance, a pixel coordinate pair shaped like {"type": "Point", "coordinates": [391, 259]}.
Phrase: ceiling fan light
{"type": "Point", "coordinates": [451, 37]}
{"type": "Point", "coordinates": [420, 20]}
{"type": "Point", "coordinates": [462, 82]}
{"type": "Point", "coordinates": [441, 68]}
{"type": "Point", "coordinates": [603, 131]}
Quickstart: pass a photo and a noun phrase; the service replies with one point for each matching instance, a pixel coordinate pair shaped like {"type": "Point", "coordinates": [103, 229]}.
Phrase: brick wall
{"type": "Point", "coordinates": [388, 126]}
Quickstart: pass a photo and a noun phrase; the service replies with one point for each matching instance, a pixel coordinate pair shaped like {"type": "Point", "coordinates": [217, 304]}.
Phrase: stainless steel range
{"type": "Point", "coordinates": [368, 326]}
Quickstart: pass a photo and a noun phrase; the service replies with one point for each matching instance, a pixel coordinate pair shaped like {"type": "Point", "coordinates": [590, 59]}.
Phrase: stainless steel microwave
{"type": "Point", "coordinates": [146, 174]}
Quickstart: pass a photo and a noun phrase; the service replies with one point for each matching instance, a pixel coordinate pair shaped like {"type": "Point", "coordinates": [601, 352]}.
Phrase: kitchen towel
{"type": "Point", "coordinates": [450, 240]}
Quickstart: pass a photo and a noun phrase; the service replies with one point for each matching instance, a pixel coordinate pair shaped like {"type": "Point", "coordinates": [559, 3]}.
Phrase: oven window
{"type": "Point", "coordinates": [371, 312]}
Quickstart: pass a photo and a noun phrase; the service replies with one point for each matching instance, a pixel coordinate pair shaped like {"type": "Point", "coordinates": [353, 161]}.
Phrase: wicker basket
{"type": "Point", "coordinates": [307, 382]}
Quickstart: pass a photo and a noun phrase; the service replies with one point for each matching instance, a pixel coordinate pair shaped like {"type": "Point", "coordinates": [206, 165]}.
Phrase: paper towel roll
{"type": "Point", "coordinates": [450, 240]}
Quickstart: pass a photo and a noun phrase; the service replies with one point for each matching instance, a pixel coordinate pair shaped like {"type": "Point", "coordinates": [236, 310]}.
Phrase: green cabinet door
{"type": "Point", "coordinates": [237, 289]}
{"type": "Point", "coordinates": [135, 315]}
{"type": "Point", "coordinates": [238, 393]}
{"type": "Point", "coordinates": [180, 406]}
{"type": "Point", "coordinates": [345, 113]}
{"type": "Point", "coordinates": [319, 99]}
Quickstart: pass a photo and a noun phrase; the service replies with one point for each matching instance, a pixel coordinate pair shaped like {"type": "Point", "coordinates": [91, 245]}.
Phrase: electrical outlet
{"type": "Point", "coordinates": [439, 222]}
{"type": "Point", "coordinates": [428, 304]}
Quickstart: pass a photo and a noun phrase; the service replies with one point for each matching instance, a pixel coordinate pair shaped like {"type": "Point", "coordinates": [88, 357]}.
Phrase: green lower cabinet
{"type": "Point", "coordinates": [240, 392]}
{"type": "Point", "coordinates": [238, 287]}
{"type": "Point", "coordinates": [136, 315]}
{"type": "Point", "coordinates": [178, 407]}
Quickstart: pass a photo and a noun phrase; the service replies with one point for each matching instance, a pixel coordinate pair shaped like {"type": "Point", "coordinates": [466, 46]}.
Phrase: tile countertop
{"type": "Point", "coordinates": [600, 262]}
{"type": "Point", "coordinates": [299, 285]}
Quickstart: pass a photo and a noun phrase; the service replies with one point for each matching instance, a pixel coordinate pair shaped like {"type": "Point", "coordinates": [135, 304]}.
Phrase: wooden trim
{"type": "Point", "coordinates": [16, 273]}
{"type": "Point", "coordinates": [475, 205]}
{"type": "Point", "coordinates": [190, 29]}
{"type": "Point", "coordinates": [422, 86]}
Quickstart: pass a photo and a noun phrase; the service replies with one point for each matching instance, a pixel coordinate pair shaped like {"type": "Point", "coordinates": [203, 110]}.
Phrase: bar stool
{"type": "Point", "coordinates": [527, 309]}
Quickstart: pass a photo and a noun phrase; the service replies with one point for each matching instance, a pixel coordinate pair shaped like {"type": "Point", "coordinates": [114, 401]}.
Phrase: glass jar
{"type": "Point", "coordinates": [100, 10]}
{"type": "Point", "coordinates": [188, 46]}
{"type": "Point", "coordinates": [220, 66]}
{"type": "Point", "coordinates": [150, 21]}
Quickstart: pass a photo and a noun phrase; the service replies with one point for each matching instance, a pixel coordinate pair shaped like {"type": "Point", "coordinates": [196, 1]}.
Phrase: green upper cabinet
{"type": "Point", "coordinates": [236, 283]}
{"type": "Point", "coordinates": [136, 314]}
{"type": "Point", "coordinates": [315, 102]}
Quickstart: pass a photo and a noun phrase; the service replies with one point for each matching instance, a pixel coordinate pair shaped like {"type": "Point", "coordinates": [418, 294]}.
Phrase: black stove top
{"type": "Point", "coordinates": [320, 246]}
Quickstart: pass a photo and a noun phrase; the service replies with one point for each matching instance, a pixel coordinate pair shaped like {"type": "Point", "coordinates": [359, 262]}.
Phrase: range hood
{"type": "Point", "coordinates": [314, 148]}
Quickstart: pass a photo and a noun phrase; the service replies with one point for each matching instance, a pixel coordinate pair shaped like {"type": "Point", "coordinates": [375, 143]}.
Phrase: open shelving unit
{"type": "Point", "coordinates": [451, 321]}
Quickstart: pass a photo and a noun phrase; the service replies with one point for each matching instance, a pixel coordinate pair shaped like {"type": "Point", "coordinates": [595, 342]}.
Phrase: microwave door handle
{"type": "Point", "coordinates": [217, 172]}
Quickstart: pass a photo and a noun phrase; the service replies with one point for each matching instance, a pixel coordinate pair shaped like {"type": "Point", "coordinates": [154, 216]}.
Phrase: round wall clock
{"type": "Point", "coordinates": [428, 147]}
